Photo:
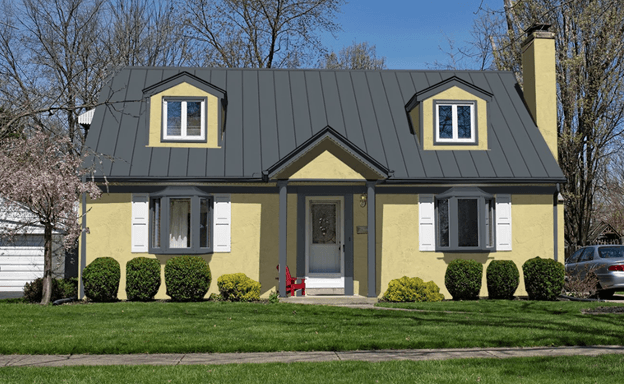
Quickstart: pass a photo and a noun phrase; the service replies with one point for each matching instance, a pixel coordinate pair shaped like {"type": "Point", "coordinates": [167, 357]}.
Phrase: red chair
{"type": "Point", "coordinates": [291, 283]}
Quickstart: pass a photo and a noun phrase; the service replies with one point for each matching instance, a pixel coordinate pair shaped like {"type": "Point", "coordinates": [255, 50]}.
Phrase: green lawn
{"type": "Point", "coordinates": [160, 327]}
{"type": "Point", "coordinates": [568, 369]}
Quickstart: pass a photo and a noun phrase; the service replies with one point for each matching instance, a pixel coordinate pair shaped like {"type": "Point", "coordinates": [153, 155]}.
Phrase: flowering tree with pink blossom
{"type": "Point", "coordinates": [40, 185]}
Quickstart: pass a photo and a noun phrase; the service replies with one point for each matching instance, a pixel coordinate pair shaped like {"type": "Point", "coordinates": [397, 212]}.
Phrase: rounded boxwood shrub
{"type": "Point", "coordinates": [101, 279]}
{"type": "Point", "coordinates": [543, 278]}
{"type": "Point", "coordinates": [238, 287]}
{"type": "Point", "coordinates": [408, 289]}
{"type": "Point", "coordinates": [142, 278]}
{"type": "Point", "coordinates": [502, 278]}
{"type": "Point", "coordinates": [187, 278]}
{"type": "Point", "coordinates": [61, 289]}
{"type": "Point", "coordinates": [463, 279]}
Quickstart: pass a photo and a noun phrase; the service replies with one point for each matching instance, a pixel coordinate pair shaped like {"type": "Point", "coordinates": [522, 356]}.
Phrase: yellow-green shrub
{"type": "Point", "coordinates": [238, 287]}
{"type": "Point", "coordinates": [412, 289]}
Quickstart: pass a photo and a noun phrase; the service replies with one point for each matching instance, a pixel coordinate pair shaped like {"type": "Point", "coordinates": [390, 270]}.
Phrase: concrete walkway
{"type": "Point", "coordinates": [292, 357]}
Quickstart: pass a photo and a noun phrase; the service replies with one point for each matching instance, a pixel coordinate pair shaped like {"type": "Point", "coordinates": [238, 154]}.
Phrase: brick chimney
{"type": "Point", "coordinates": [540, 81]}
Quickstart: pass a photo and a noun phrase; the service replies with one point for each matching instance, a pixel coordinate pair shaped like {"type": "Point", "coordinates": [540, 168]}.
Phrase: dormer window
{"type": "Point", "coordinates": [184, 119]}
{"type": "Point", "coordinates": [455, 122]}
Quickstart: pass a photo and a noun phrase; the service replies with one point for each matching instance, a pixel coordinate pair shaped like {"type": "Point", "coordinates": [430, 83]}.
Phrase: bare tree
{"type": "Point", "coordinates": [589, 38]}
{"type": "Point", "coordinates": [52, 63]}
{"type": "Point", "coordinates": [145, 33]}
{"type": "Point", "coordinates": [260, 33]}
{"type": "Point", "coordinates": [355, 56]}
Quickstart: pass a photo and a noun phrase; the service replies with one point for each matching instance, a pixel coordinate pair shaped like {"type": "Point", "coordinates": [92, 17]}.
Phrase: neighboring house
{"type": "Point", "coordinates": [350, 178]}
{"type": "Point", "coordinates": [604, 233]}
{"type": "Point", "coordinates": [21, 255]}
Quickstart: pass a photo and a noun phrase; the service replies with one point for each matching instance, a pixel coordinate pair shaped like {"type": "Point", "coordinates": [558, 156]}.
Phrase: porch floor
{"type": "Point", "coordinates": [336, 300]}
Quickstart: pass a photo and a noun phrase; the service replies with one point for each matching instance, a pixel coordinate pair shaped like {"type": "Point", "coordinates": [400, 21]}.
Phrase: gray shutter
{"type": "Point", "coordinates": [140, 219]}
{"type": "Point", "coordinates": [222, 223]}
{"type": "Point", "coordinates": [426, 215]}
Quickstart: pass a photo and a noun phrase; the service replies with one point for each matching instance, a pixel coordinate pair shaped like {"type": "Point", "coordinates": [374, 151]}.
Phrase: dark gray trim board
{"type": "Point", "coordinates": [382, 189]}
{"type": "Point", "coordinates": [83, 244]}
{"type": "Point", "coordinates": [184, 77]}
{"type": "Point", "coordinates": [328, 133]}
{"type": "Point", "coordinates": [283, 234]}
{"type": "Point", "coordinates": [556, 223]}
{"type": "Point", "coordinates": [442, 86]}
{"type": "Point", "coordinates": [371, 244]}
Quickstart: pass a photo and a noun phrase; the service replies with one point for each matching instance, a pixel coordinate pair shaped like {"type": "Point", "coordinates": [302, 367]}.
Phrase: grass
{"type": "Point", "coordinates": [160, 327]}
{"type": "Point", "coordinates": [565, 369]}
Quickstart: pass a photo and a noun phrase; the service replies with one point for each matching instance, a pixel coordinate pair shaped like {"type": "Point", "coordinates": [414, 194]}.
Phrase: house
{"type": "Point", "coordinates": [350, 178]}
{"type": "Point", "coordinates": [22, 250]}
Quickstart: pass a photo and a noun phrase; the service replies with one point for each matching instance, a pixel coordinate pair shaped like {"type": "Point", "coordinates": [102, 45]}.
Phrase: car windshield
{"type": "Point", "coordinates": [611, 252]}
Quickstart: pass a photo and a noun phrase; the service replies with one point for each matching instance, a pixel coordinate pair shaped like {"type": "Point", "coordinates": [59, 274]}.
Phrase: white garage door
{"type": "Point", "coordinates": [20, 262]}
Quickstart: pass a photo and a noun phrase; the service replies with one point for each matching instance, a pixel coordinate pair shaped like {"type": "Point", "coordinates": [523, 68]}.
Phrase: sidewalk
{"type": "Point", "coordinates": [292, 357]}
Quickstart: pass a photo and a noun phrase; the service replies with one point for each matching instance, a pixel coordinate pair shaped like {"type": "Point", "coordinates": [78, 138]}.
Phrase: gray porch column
{"type": "Point", "coordinates": [372, 245]}
{"type": "Point", "coordinates": [283, 231]}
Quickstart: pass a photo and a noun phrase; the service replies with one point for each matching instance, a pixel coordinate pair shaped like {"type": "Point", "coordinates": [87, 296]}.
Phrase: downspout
{"type": "Point", "coordinates": [83, 244]}
{"type": "Point", "coordinates": [555, 222]}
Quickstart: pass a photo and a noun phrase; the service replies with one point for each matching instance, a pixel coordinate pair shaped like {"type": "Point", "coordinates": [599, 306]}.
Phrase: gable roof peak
{"type": "Point", "coordinates": [443, 85]}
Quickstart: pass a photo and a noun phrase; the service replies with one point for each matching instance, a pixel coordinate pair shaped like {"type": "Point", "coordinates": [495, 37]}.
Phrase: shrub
{"type": "Point", "coordinates": [502, 278]}
{"type": "Point", "coordinates": [583, 285]}
{"type": "Point", "coordinates": [187, 278]}
{"type": "Point", "coordinates": [463, 279]}
{"type": "Point", "coordinates": [412, 289]}
{"type": "Point", "coordinates": [543, 278]}
{"type": "Point", "coordinates": [238, 287]}
{"type": "Point", "coordinates": [61, 289]}
{"type": "Point", "coordinates": [142, 278]}
{"type": "Point", "coordinates": [101, 279]}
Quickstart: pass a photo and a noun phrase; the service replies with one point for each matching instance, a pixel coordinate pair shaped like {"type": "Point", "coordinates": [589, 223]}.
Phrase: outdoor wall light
{"type": "Point", "coordinates": [363, 199]}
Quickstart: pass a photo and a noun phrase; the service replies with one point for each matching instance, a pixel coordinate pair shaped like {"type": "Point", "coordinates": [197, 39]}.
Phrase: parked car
{"type": "Point", "coordinates": [605, 261]}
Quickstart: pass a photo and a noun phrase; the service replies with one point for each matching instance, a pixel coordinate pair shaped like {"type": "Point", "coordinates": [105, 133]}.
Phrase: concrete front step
{"type": "Point", "coordinates": [329, 300]}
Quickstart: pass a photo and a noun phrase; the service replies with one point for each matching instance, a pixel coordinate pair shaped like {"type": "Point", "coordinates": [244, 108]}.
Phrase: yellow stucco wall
{"type": "Point", "coordinates": [184, 90]}
{"type": "Point", "coordinates": [255, 240]}
{"type": "Point", "coordinates": [398, 245]}
{"type": "Point", "coordinates": [326, 166]}
{"type": "Point", "coordinates": [540, 85]}
{"type": "Point", "coordinates": [254, 233]}
{"type": "Point", "coordinates": [428, 120]}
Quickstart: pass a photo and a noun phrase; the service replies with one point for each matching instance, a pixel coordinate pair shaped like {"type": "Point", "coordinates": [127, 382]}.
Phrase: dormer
{"type": "Point", "coordinates": [185, 112]}
{"type": "Point", "coordinates": [450, 115]}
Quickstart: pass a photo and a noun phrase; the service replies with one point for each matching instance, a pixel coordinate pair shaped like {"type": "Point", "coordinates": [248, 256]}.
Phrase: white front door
{"type": "Point", "coordinates": [324, 242]}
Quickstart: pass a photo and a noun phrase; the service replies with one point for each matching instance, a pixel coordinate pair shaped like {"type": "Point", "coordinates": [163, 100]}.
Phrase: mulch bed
{"type": "Point", "coordinates": [605, 310]}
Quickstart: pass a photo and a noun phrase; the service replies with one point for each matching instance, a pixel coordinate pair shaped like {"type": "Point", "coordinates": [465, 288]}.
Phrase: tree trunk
{"type": "Point", "coordinates": [47, 266]}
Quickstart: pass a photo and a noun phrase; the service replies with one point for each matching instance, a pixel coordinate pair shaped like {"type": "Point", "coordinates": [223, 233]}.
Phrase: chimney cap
{"type": "Point", "coordinates": [538, 27]}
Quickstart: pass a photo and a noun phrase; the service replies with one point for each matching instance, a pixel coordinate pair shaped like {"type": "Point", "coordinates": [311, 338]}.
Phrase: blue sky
{"type": "Point", "coordinates": [407, 33]}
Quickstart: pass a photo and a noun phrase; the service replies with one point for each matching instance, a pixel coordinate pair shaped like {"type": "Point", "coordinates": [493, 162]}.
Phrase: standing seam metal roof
{"type": "Point", "coordinates": [272, 112]}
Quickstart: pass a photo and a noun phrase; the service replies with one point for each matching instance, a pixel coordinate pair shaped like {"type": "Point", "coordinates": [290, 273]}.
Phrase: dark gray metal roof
{"type": "Point", "coordinates": [270, 113]}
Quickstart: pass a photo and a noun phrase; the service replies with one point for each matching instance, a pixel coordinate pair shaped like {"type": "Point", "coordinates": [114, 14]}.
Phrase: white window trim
{"type": "Point", "coordinates": [183, 136]}
{"type": "Point", "coordinates": [455, 138]}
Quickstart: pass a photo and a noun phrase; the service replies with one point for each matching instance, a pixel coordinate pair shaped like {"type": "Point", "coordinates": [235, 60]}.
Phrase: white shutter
{"type": "Point", "coordinates": [222, 223]}
{"type": "Point", "coordinates": [140, 219]}
{"type": "Point", "coordinates": [426, 213]}
{"type": "Point", "coordinates": [503, 222]}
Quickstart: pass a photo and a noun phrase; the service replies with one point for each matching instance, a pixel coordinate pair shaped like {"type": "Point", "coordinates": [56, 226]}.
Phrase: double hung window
{"type": "Point", "coordinates": [455, 122]}
{"type": "Point", "coordinates": [184, 119]}
{"type": "Point", "coordinates": [465, 220]}
{"type": "Point", "coordinates": [181, 221]}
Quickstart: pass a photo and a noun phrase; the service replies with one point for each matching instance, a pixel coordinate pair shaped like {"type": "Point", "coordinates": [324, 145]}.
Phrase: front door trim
{"type": "Point", "coordinates": [325, 280]}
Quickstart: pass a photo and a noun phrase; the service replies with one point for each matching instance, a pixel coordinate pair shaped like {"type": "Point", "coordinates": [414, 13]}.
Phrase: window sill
{"type": "Point", "coordinates": [180, 251]}
{"type": "Point", "coordinates": [465, 250]}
